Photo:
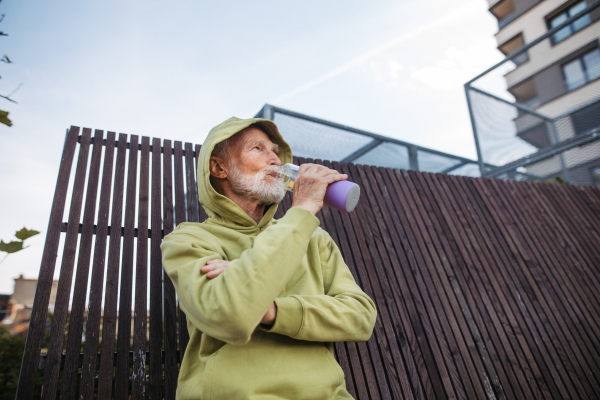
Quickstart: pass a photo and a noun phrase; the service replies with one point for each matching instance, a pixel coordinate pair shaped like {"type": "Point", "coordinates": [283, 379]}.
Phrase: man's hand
{"type": "Point", "coordinates": [311, 184]}
{"type": "Point", "coordinates": [214, 268]}
{"type": "Point", "coordinates": [271, 314]}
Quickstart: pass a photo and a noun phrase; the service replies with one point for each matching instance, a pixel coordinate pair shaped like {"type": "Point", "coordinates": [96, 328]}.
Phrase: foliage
{"type": "Point", "coordinates": [16, 245]}
{"type": "Point", "coordinates": [5, 59]}
{"type": "Point", "coordinates": [11, 353]}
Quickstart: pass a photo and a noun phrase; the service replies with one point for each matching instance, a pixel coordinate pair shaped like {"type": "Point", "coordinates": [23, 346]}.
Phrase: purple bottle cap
{"type": "Point", "coordinates": [342, 195]}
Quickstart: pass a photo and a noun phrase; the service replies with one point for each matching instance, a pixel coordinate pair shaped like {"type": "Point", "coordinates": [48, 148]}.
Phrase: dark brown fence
{"type": "Point", "coordinates": [484, 288]}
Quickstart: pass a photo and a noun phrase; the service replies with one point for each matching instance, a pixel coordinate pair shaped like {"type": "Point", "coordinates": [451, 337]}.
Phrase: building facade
{"type": "Point", "coordinates": [556, 78]}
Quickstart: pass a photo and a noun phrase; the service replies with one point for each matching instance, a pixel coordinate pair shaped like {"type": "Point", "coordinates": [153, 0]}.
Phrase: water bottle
{"type": "Point", "coordinates": [341, 195]}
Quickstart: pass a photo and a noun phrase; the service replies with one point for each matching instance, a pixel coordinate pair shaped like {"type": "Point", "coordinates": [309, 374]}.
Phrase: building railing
{"type": "Point", "coordinates": [539, 128]}
{"type": "Point", "coordinates": [316, 138]}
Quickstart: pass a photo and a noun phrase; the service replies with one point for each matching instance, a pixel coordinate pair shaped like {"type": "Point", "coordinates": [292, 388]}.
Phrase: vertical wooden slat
{"type": "Point", "coordinates": [109, 319]}
{"type": "Point", "coordinates": [37, 323]}
{"type": "Point", "coordinates": [156, 292]}
{"type": "Point", "coordinates": [138, 376]}
{"type": "Point", "coordinates": [193, 214]}
{"type": "Point", "coordinates": [88, 369]}
{"type": "Point", "coordinates": [169, 300]}
{"type": "Point", "coordinates": [203, 215]}
{"type": "Point", "coordinates": [76, 322]}
{"type": "Point", "coordinates": [127, 262]}
{"type": "Point", "coordinates": [65, 281]}
{"type": "Point", "coordinates": [180, 216]}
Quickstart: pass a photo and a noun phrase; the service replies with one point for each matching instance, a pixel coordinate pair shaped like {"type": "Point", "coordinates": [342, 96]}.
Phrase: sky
{"type": "Point", "coordinates": [174, 70]}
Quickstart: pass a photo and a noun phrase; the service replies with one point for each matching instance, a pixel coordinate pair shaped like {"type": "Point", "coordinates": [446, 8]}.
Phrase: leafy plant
{"type": "Point", "coordinates": [16, 245]}
{"type": "Point", "coordinates": [5, 59]}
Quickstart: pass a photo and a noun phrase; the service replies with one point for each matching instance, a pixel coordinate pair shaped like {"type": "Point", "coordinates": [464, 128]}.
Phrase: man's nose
{"type": "Point", "coordinates": [274, 160]}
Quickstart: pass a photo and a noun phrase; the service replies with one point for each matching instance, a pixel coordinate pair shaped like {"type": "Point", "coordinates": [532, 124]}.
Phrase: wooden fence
{"type": "Point", "coordinates": [484, 288]}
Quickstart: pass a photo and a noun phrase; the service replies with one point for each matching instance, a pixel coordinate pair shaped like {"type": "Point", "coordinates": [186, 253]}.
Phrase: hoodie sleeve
{"type": "Point", "coordinates": [230, 306]}
{"type": "Point", "coordinates": [343, 313]}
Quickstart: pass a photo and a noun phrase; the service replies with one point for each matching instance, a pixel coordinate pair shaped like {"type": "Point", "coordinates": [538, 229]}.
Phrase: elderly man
{"type": "Point", "coordinates": [264, 298]}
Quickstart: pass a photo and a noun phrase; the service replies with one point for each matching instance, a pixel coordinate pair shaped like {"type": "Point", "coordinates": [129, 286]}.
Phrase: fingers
{"type": "Point", "coordinates": [214, 268]}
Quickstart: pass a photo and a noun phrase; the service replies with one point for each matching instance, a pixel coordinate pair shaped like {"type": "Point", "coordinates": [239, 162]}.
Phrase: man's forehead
{"type": "Point", "coordinates": [255, 135]}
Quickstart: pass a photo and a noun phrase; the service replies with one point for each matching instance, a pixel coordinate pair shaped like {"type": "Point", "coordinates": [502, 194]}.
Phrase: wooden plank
{"type": "Point", "coordinates": [180, 216]}
{"type": "Point", "coordinates": [76, 321]}
{"type": "Point", "coordinates": [109, 319]}
{"type": "Point", "coordinates": [39, 312]}
{"type": "Point", "coordinates": [523, 289]}
{"type": "Point", "coordinates": [456, 313]}
{"type": "Point", "coordinates": [63, 293]}
{"type": "Point", "coordinates": [169, 299]}
{"type": "Point", "coordinates": [494, 322]}
{"type": "Point", "coordinates": [562, 244]}
{"type": "Point", "coordinates": [458, 255]}
{"type": "Point", "coordinates": [387, 280]}
{"type": "Point", "coordinates": [340, 350]}
{"type": "Point", "coordinates": [138, 376]}
{"type": "Point", "coordinates": [558, 332]}
{"type": "Point", "coordinates": [441, 363]}
{"type": "Point", "coordinates": [381, 360]}
{"type": "Point", "coordinates": [554, 293]}
{"type": "Point", "coordinates": [193, 214]}
{"type": "Point", "coordinates": [127, 262]}
{"type": "Point", "coordinates": [362, 365]}
{"type": "Point", "coordinates": [203, 215]}
{"type": "Point", "coordinates": [528, 333]}
{"type": "Point", "coordinates": [92, 327]}
{"type": "Point", "coordinates": [156, 292]}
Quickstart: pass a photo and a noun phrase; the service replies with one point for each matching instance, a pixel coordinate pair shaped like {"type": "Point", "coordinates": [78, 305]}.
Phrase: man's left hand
{"type": "Point", "coordinates": [214, 268]}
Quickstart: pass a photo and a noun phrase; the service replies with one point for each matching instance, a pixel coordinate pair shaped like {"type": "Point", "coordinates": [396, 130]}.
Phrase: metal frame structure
{"type": "Point", "coordinates": [268, 112]}
{"type": "Point", "coordinates": [556, 148]}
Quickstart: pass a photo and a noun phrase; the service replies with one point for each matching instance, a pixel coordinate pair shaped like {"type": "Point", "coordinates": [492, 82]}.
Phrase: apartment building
{"type": "Point", "coordinates": [558, 76]}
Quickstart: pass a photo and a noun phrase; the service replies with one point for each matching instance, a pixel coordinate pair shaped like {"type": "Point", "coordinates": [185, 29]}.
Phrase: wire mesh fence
{"type": "Point", "coordinates": [536, 114]}
{"type": "Point", "coordinates": [314, 138]}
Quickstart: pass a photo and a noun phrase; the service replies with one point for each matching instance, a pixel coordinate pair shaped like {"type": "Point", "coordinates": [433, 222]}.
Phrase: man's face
{"type": "Point", "coordinates": [253, 167]}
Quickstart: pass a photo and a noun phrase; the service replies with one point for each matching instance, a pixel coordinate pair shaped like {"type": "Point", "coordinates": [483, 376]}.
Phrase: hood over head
{"type": "Point", "coordinates": [216, 205]}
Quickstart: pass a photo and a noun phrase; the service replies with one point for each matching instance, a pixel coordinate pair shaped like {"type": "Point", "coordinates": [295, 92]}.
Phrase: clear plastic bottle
{"type": "Point", "coordinates": [341, 195]}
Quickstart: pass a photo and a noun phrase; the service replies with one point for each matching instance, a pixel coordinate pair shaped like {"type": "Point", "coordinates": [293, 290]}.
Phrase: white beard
{"type": "Point", "coordinates": [260, 186]}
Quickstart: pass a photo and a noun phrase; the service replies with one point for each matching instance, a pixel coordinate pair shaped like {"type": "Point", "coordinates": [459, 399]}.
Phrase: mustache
{"type": "Point", "coordinates": [271, 169]}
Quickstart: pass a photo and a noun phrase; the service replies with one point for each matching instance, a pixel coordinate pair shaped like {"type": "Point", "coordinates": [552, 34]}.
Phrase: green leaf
{"type": "Point", "coordinates": [25, 233]}
{"type": "Point", "coordinates": [11, 247]}
{"type": "Point", "coordinates": [4, 118]}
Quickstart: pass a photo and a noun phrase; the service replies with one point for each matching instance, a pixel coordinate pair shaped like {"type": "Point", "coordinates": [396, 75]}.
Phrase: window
{"type": "Point", "coordinates": [512, 45]}
{"type": "Point", "coordinates": [574, 26]}
{"type": "Point", "coordinates": [587, 118]}
{"type": "Point", "coordinates": [582, 70]}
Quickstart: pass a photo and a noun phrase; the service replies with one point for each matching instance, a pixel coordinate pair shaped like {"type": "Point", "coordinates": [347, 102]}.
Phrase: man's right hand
{"type": "Point", "coordinates": [311, 184]}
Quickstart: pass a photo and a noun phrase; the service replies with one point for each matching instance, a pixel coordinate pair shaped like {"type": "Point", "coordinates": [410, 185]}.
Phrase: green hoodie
{"type": "Point", "coordinates": [290, 261]}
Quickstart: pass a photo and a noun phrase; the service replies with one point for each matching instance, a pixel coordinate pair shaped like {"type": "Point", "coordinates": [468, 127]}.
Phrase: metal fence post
{"type": "Point", "coordinates": [561, 155]}
{"type": "Point", "coordinates": [268, 112]}
{"type": "Point", "coordinates": [474, 125]}
{"type": "Point", "coordinates": [413, 158]}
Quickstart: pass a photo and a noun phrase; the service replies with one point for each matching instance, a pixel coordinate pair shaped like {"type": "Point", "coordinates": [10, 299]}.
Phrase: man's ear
{"type": "Point", "coordinates": [217, 167]}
